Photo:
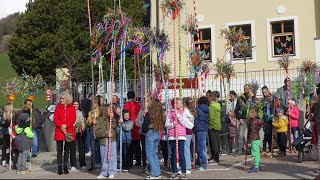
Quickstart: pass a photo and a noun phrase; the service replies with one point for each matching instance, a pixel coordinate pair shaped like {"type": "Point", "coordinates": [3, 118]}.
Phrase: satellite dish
{"type": "Point", "coordinates": [281, 9]}
{"type": "Point", "coordinates": [200, 18]}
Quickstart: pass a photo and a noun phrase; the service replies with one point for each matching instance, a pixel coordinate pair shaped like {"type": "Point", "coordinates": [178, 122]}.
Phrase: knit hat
{"type": "Point", "coordinates": [279, 110]}
{"type": "Point", "coordinates": [23, 118]}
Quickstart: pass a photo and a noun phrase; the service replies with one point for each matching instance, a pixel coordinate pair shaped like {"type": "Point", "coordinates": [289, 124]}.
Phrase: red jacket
{"type": "Point", "coordinates": [64, 115]}
{"type": "Point", "coordinates": [294, 117]}
{"type": "Point", "coordinates": [133, 108]}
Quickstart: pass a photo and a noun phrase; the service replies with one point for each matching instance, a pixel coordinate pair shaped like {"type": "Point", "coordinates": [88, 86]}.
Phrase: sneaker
{"type": "Point", "coordinates": [22, 172]}
{"type": "Point", "coordinates": [34, 155]}
{"type": "Point", "coordinates": [180, 172]}
{"type": "Point", "coordinates": [73, 169]}
{"type": "Point", "coordinates": [188, 172]}
{"type": "Point", "coordinates": [88, 154]}
{"type": "Point", "coordinates": [101, 177]}
{"type": "Point", "coordinates": [27, 171]}
{"type": "Point", "coordinates": [4, 163]}
{"type": "Point", "coordinates": [18, 172]}
{"type": "Point", "coordinates": [201, 169]}
{"type": "Point", "coordinates": [183, 176]}
{"type": "Point", "coordinates": [175, 176]}
{"type": "Point", "coordinates": [153, 177]}
{"type": "Point", "coordinates": [125, 170]}
{"type": "Point", "coordinates": [253, 170]}
{"type": "Point", "coordinates": [83, 167]}
{"type": "Point", "coordinates": [111, 176]}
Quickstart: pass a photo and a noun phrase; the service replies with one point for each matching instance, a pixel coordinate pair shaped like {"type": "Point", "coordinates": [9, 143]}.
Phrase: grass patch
{"type": "Point", "coordinates": [6, 72]}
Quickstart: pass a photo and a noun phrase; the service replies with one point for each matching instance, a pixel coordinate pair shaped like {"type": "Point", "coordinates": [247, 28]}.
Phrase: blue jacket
{"type": "Point", "coordinates": [201, 121]}
{"type": "Point", "coordinates": [126, 131]}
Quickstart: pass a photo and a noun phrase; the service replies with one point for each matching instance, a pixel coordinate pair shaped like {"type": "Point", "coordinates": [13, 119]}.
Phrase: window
{"type": "Point", "coordinates": [282, 33]}
{"type": "Point", "coordinates": [205, 42]}
{"type": "Point", "coordinates": [282, 37]}
{"type": "Point", "coordinates": [246, 28]}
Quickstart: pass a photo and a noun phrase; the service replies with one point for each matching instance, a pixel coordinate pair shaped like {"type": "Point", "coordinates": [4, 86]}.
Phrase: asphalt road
{"type": "Point", "coordinates": [230, 167]}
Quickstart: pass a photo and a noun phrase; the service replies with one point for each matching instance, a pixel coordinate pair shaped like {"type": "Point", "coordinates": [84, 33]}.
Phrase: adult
{"type": "Point", "coordinates": [135, 148]}
{"type": "Point", "coordinates": [283, 94]}
{"type": "Point", "coordinates": [91, 122]}
{"type": "Point", "coordinates": [101, 101]}
{"type": "Point", "coordinates": [153, 123]}
{"type": "Point", "coordinates": [64, 119]}
{"type": "Point", "coordinates": [5, 124]}
{"type": "Point", "coordinates": [241, 114]}
{"type": "Point", "coordinates": [268, 114]}
{"type": "Point", "coordinates": [80, 126]}
{"type": "Point", "coordinates": [115, 101]}
{"type": "Point", "coordinates": [37, 121]}
{"type": "Point", "coordinates": [86, 107]}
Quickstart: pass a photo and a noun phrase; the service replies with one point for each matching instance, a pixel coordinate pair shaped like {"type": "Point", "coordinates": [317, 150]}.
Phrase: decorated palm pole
{"type": "Point", "coordinates": [32, 85]}
{"type": "Point", "coordinates": [284, 62]}
{"type": "Point", "coordinates": [173, 7]}
{"type": "Point", "coordinates": [11, 89]}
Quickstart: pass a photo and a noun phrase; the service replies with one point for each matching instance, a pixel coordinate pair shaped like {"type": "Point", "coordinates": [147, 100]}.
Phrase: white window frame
{"type": "Point", "coordinates": [253, 42]}
{"type": "Point", "coordinates": [296, 36]}
{"type": "Point", "coordinates": [213, 46]}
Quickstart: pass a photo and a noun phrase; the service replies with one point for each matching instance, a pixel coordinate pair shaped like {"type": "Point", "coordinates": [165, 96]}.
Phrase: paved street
{"type": "Point", "coordinates": [229, 168]}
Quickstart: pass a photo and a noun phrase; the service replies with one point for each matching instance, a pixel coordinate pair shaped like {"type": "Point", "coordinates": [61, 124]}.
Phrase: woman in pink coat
{"type": "Point", "coordinates": [293, 115]}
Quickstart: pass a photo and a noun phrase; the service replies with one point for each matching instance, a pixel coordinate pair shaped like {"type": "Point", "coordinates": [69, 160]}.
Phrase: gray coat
{"type": "Point", "coordinates": [22, 142]}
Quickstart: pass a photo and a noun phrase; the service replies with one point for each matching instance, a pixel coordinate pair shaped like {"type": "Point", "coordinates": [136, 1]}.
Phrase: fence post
{"type": "Point", "coordinates": [264, 77]}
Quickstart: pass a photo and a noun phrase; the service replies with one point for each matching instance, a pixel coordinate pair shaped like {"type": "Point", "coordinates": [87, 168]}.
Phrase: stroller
{"type": "Point", "coordinates": [303, 142]}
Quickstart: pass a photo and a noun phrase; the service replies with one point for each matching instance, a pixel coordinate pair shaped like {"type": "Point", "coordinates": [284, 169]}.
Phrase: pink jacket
{"type": "Point", "coordinates": [294, 117]}
{"type": "Point", "coordinates": [181, 126]}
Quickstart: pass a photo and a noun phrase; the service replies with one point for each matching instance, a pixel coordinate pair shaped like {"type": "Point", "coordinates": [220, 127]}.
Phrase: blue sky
{"type": "Point", "coordinates": [11, 6]}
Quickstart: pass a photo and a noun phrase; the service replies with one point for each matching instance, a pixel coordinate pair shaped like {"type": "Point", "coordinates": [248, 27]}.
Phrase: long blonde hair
{"type": "Point", "coordinates": [7, 112]}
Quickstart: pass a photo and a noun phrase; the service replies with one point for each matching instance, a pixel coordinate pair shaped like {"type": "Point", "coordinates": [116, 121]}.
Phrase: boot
{"type": "Point", "coordinates": [60, 170]}
{"type": "Point", "coordinates": [65, 169]}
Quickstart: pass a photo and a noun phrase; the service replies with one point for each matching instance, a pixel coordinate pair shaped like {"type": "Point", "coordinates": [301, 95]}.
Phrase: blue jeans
{"type": "Point", "coordinates": [152, 142]}
{"type": "Point", "coordinates": [201, 149]}
{"type": "Point", "coordinates": [187, 154]}
{"type": "Point", "coordinates": [182, 160]}
{"type": "Point", "coordinates": [109, 166]}
{"type": "Point", "coordinates": [35, 142]}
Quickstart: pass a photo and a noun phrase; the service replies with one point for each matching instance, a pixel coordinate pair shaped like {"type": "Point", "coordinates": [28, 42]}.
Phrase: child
{"type": "Point", "coordinates": [254, 127]}
{"type": "Point", "coordinates": [103, 134]}
{"type": "Point", "coordinates": [152, 125]}
{"type": "Point", "coordinates": [214, 126]}
{"type": "Point", "coordinates": [293, 115]}
{"type": "Point", "coordinates": [191, 113]}
{"type": "Point", "coordinates": [126, 125]}
{"type": "Point", "coordinates": [201, 130]}
{"type": "Point", "coordinates": [23, 142]}
{"type": "Point", "coordinates": [281, 126]}
{"type": "Point", "coordinates": [177, 121]}
{"type": "Point", "coordinates": [232, 131]}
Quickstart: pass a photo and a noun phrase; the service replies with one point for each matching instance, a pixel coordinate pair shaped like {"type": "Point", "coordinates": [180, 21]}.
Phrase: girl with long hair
{"type": "Point", "coordinates": [152, 125]}
{"type": "Point", "coordinates": [176, 123]}
{"type": "Point", "coordinates": [190, 112]}
{"type": "Point", "coordinates": [103, 133]}
{"type": "Point", "coordinates": [80, 138]}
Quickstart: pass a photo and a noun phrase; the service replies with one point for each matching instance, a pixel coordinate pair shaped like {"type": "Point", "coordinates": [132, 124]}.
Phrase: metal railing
{"type": "Point", "coordinates": [274, 79]}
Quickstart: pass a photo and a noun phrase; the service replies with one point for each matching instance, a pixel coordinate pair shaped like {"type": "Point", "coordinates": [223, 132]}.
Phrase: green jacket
{"type": "Point", "coordinates": [102, 130]}
{"type": "Point", "coordinates": [214, 121]}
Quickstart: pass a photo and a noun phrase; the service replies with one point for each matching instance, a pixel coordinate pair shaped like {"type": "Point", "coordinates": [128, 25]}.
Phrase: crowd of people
{"type": "Point", "coordinates": [178, 133]}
